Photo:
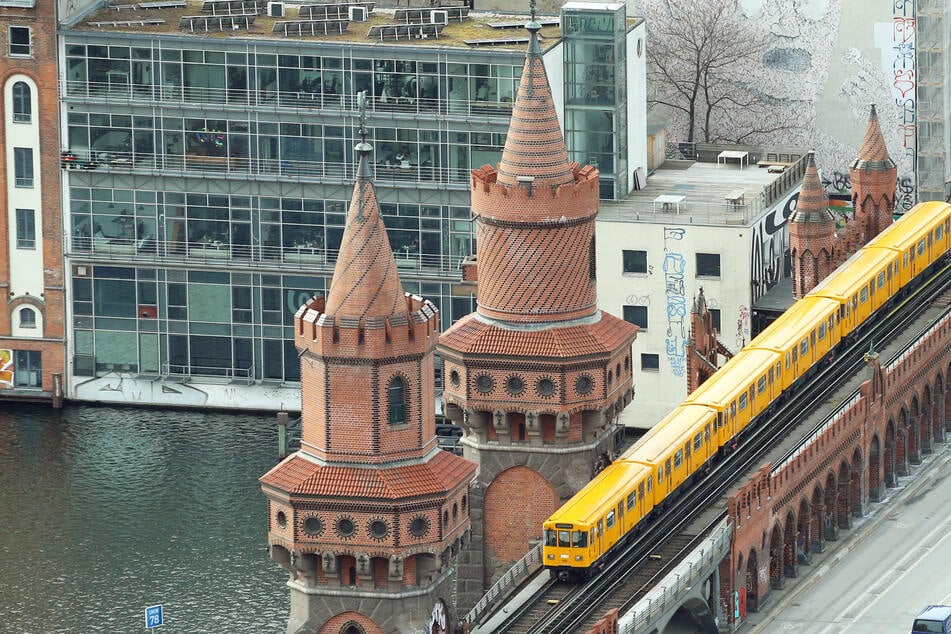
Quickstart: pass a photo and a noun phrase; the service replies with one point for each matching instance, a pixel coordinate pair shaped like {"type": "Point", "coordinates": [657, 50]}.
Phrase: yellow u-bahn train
{"type": "Point", "coordinates": [582, 532]}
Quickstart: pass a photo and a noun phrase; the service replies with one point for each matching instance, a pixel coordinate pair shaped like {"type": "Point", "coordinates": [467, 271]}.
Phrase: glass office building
{"type": "Point", "coordinates": [206, 182]}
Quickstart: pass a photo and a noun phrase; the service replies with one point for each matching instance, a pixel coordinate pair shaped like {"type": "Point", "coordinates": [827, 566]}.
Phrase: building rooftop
{"type": "Point", "coordinates": [324, 21]}
{"type": "Point", "coordinates": [724, 185]}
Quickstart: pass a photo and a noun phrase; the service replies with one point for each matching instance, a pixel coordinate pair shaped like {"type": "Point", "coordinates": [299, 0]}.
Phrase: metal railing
{"type": "Point", "coordinates": [241, 98]}
{"type": "Point", "coordinates": [510, 581]}
{"type": "Point", "coordinates": [216, 251]}
{"type": "Point", "coordinates": [244, 166]}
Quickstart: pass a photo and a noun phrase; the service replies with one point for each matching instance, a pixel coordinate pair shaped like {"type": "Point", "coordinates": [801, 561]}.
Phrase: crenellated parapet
{"type": "Point", "coordinates": [575, 200]}
{"type": "Point", "coordinates": [369, 337]}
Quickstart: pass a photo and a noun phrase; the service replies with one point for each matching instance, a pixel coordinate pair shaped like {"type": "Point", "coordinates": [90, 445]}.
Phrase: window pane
{"type": "Point", "coordinates": [23, 166]}
{"type": "Point", "coordinates": [26, 229]}
{"type": "Point", "coordinates": [708, 265]}
{"type": "Point", "coordinates": [635, 261]}
{"type": "Point", "coordinates": [22, 103]}
{"type": "Point", "coordinates": [19, 41]}
{"type": "Point", "coordinates": [636, 315]}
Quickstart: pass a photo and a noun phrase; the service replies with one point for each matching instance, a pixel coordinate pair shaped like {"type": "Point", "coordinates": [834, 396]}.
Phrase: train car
{"type": "Point", "coordinates": [585, 528]}
{"type": "Point", "coordinates": [802, 335]}
{"type": "Point", "coordinates": [676, 447]}
{"type": "Point", "coordinates": [921, 236]}
{"type": "Point", "coordinates": [740, 390]}
{"type": "Point", "coordinates": [855, 285]}
{"type": "Point", "coordinates": [640, 483]}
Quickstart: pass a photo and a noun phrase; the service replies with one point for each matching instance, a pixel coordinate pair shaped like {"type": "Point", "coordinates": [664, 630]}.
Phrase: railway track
{"type": "Point", "coordinates": [558, 610]}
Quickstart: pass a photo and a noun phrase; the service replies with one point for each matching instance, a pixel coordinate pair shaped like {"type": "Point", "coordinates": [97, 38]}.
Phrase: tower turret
{"type": "Point", "coordinates": [873, 175]}
{"type": "Point", "coordinates": [537, 375]}
{"type": "Point", "coordinates": [812, 239]}
{"type": "Point", "coordinates": [367, 515]}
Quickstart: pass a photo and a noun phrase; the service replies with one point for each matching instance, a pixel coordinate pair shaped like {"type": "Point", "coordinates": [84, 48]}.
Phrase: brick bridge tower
{"type": "Point", "coordinates": [873, 175]}
{"type": "Point", "coordinates": [812, 240]}
{"type": "Point", "coordinates": [368, 515]}
{"type": "Point", "coordinates": [537, 374]}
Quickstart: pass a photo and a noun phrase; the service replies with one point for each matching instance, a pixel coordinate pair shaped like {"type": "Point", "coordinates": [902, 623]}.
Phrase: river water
{"type": "Point", "coordinates": [106, 511]}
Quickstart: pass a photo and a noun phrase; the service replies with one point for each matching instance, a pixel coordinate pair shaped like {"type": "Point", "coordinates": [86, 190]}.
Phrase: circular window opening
{"type": "Point", "coordinates": [419, 526]}
{"type": "Point", "coordinates": [313, 526]}
{"type": "Point", "coordinates": [454, 378]}
{"type": "Point", "coordinates": [546, 387]}
{"type": "Point", "coordinates": [379, 529]}
{"type": "Point", "coordinates": [584, 384]}
{"type": "Point", "coordinates": [281, 519]}
{"type": "Point", "coordinates": [485, 383]}
{"type": "Point", "coordinates": [346, 527]}
{"type": "Point", "coordinates": [515, 385]}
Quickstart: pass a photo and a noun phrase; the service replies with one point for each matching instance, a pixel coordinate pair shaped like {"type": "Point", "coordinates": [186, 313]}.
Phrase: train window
{"type": "Point", "coordinates": [779, 370]}
{"type": "Point", "coordinates": [742, 402]}
{"type": "Point", "coordinates": [611, 517]}
{"type": "Point", "coordinates": [831, 323]}
{"type": "Point", "coordinates": [667, 468]}
{"type": "Point", "coordinates": [640, 488]}
{"type": "Point", "coordinates": [938, 232]}
{"type": "Point", "coordinates": [761, 385]}
{"type": "Point", "coordinates": [787, 360]}
{"type": "Point", "coordinates": [551, 537]}
{"type": "Point", "coordinates": [631, 500]}
{"type": "Point", "coordinates": [564, 539]}
{"type": "Point", "coordinates": [804, 348]}
{"type": "Point", "coordinates": [881, 279]}
{"type": "Point", "coordinates": [579, 539]}
{"type": "Point", "coordinates": [733, 409]}
{"type": "Point", "coordinates": [812, 339]}
{"type": "Point", "coordinates": [600, 527]}
{"type": "Point", "coordinates": [822, 330]}
{"type": "Point", "coordinates": [687, 449]}
{"type": "Point", "coordinates": [660, 475]}
{"type": "Point", "coordinates": [921, 247]}
{"type": "Point", "coordinates": [720, 422]}
{"type": "Point", "coordinates": [706, 433]}
{"type": "Point", "coordinates": [863, 295]}
{"type": "Point", "coordinates": [678, 458]}
{"type": "Point", "coordinates": [795, 355]}
{"type": "Point", "coordinates": [698, 440]}
{"type": "Point", "coordinates": [650, 484]}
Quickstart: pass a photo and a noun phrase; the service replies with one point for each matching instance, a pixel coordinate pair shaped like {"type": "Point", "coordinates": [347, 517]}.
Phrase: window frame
{"type": "Point", "coordinates": [647, 367]}
{"type": "Point", "coordinates": [26, 228]}
{"type": "Point", "coordinates": [24, 175]}
{"type": "Point", "coordinates": [637, 267]}
{"type": "Point", "coordinates": [29, 322]}
{"type": "Point", "coordinates": [631, 318]}
{"type": "Point", "coordinates": [705, 268]}
{"type": "Point", "coordinates": [22, 102]}
{"type": "Point", "coordinates": [396, 407]}
{"type": "Point", "coordinates": [15, 49]}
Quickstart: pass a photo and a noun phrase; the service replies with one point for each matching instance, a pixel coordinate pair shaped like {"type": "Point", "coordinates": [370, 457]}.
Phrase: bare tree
{"type": "Point", "coordinates": [699, 54]}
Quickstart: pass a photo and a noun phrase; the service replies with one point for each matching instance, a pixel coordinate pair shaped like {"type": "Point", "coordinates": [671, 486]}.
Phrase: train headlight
{"type": "Point", "coordinates": [549, 556]}
{"type": "Point", "coordinates": [579, 557]}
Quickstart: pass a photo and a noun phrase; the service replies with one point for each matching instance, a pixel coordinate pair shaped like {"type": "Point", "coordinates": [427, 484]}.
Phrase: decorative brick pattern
{"type": "Point", "coordinates": [369, 504]}
{"type": "Point", "coordinates": [812, 240]}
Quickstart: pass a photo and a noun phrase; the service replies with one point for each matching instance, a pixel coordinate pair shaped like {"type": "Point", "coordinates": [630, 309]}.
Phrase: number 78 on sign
{"type": "Point", "coordinates": [154, 616]}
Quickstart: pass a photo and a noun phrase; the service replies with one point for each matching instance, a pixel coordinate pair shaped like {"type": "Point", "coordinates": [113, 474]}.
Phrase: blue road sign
{"type": "Point", "coordinates": [154, 616]}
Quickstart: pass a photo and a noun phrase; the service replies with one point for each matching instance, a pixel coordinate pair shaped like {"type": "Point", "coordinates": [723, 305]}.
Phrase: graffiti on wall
{"type": "Point", "coordinates": [841, 183]}
{"type": "Point", "coordinates": [897, 44]}
{"type": "Point", "coordinates": [675, 295]}
{"type": "Point", "coordinates": [6, 368]}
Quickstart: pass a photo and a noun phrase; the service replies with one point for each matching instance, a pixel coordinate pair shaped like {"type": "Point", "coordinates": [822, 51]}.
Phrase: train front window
{"type": "Point", "coordinates": [579, 539]}
{"type": "Point", "coordinates": [564, 538]}
{"type": "Point", "coordinates": [550, 537]}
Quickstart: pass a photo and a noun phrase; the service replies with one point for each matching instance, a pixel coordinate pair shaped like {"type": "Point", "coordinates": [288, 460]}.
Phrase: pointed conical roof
{"type": "Point", "coordinates": [873, 154]}
{"type": "Point", "coordinates": [813, 204]}
{"type": "Point", "coordinates": [365, 281]}
{"type": "Point", "coordinates": [534, 148]}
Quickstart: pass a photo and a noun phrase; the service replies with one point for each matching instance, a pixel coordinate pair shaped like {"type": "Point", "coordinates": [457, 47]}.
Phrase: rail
{"type": "Point", "coordinates": [510, 581]}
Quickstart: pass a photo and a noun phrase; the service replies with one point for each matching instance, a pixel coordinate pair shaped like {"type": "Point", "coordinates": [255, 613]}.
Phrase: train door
{"type": "Point", "coordinates": [599, 541]}
{"type": "Point", "coordinates": [641, 508]}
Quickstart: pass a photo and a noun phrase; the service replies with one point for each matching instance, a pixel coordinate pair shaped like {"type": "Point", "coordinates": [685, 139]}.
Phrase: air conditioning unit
{"type": "Point", "coordinates": [358, 14]}
{"type": "Point", "coordinates": [275, 9]}
{"type": "Point", "coordinates": [439, 17]}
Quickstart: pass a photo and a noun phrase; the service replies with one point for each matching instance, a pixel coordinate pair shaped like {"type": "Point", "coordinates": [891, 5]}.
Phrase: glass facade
{"type": "Point", "coordinates": [208, 183]}
{"type": "Point", "coordinates": [595, 63]}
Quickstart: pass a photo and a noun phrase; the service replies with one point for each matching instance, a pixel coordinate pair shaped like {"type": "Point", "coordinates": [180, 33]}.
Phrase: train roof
{"type": "Point", "coordinates": [853, 274]}
{"type": "Point", "coordinates": [729, 381]}
{"type": "Point", "coordinates": [910, 227]}
{"type": "Point", "coordinates": [600, 494]}
{"type": "Point", "coordinates": [790, 327]}
{"type": "Point", "coordinates": [676, 428]}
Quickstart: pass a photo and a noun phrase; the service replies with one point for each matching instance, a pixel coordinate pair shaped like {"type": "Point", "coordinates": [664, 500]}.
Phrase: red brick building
{"type": "Point", "coordinates": [537, 375]}
{"type": "Point", "coordinates": [816, 246]}
{"type": "Point", "coordinates": [369, 514]}
{"type": "Point", "coordinates": [32, 328]}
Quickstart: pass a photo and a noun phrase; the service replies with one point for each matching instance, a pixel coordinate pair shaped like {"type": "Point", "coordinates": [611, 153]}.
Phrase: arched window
{"type": "Point", "coordinates": [397, 401]}
{"type": "Point", "coordinates": [27, 318]}
{"type": "Point", "coordinates": [22, 103]}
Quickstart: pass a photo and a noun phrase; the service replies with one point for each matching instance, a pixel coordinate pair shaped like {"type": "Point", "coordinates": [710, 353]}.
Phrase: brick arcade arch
{"type": "Point", "coordinates": [844, 503]}
{"type": "Point", "coordinates": [875, 487]}
{"type": "Point", "coordinates": [912, 443]}
{"type": "Point", "coordinates": [890, 459]}
{"type": "Point", "coordinates": [776, 558]}
{"type": "Point", "coordinates": [790, 565]}
{"type": "Point", "coordinates": [830, 524]}
{"type": "Point", "coordinates": [510, 528]}
{"type": "Point", "coordinates": [817, 521]}
{"type": "Point", "coordinates": [804, 535]}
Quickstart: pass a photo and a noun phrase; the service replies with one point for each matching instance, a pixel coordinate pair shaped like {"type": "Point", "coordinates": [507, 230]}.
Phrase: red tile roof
{"type": "Point", "coordinates": [297, 475]}
{"type": "Point", "coordinates": [471, 335]}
